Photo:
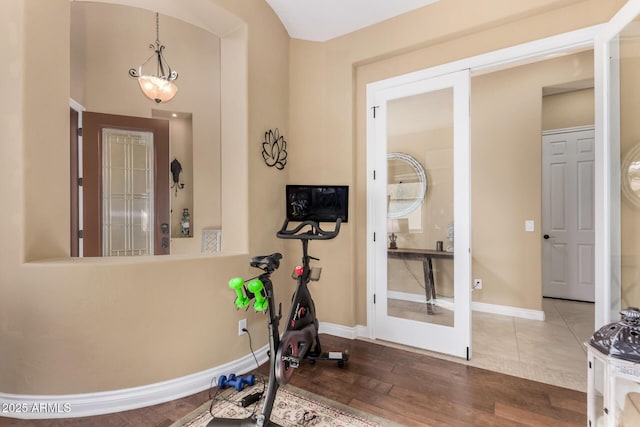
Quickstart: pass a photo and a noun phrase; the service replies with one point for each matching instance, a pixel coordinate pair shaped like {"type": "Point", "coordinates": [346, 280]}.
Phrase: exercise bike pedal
{"type": "Point", "coordinates": [294, 362]}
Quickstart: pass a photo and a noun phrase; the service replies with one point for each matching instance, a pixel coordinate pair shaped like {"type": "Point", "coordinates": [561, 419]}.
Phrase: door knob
{"type": "Point", "coordinates": [546, 236]}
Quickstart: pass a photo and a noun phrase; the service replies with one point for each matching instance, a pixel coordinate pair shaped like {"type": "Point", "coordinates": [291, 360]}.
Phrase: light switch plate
{"type": "Point", "coordinates": [529, 225]}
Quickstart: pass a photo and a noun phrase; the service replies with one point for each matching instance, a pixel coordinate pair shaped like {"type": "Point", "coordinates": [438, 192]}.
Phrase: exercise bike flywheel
{"type": "Point", "coordinates": [292, 349]}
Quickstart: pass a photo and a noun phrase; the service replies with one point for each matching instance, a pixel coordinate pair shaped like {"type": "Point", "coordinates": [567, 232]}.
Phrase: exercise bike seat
{"type": "Point", "coordinates": [267, 262]}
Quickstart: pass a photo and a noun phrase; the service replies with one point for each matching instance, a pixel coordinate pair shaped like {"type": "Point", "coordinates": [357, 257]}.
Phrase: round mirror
{"type": "Point", "coordinates": [631, 175]}
{"type": "Point", "coordinates": [406, 186]}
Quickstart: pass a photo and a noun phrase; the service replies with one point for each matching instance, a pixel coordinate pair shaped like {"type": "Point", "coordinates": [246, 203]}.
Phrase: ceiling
{"type": "Point", "coordinates": [322, 20]}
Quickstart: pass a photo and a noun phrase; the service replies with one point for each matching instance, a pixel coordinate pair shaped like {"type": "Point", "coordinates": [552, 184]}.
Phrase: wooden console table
{"type": "Point", "coordinates": [424, 255]}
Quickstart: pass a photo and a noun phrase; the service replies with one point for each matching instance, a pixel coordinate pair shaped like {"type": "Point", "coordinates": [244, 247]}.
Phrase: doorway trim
{"type": "Point", "coordinates": [75, 149]}
{"type": "Point", "coordinates": [538, 50]}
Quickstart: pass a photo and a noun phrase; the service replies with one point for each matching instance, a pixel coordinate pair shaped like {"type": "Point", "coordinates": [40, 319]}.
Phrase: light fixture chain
{"type": "Point", "coordinates": [157, 28]}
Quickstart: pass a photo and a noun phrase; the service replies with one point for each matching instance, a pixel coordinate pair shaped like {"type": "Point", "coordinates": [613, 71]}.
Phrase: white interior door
{"type": "Point", "coordinates": [617, 72]}
{"type": "Point", "coordinates": [422, 294]}
{"type": "Point", "coordinates": [568, 222]}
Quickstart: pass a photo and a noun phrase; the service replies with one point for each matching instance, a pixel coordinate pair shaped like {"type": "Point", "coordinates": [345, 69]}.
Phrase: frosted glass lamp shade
{"type": "Point", "coordinates": [158, 89]}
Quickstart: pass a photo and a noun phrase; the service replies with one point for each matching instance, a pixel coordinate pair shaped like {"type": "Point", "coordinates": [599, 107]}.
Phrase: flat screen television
{"type": "Point", "coordinates": [321, 203]}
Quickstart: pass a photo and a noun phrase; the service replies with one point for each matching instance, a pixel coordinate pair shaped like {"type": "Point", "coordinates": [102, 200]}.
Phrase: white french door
{"type": "Point", "coordinates": [617, 90]}
{"type": "Point", "coordinates": [422, 294]}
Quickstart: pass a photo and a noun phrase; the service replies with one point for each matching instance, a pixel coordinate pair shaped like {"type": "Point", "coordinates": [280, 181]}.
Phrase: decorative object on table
{"type": "Point", "coordinates": [620, 339]}
{"type": "Point", "coordinates": [396, 225]}
{"type": "Point", "coordinates": [185, 223]}
{"type": "Point", "coordinates": [176, 169]}
{"type": "Point", "coordinates": [159, 87]}
{"type": "Point", "coordinates": [274, 149]}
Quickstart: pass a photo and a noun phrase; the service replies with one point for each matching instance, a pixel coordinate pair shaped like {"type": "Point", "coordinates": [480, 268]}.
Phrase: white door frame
{"type": "Point", "coordinates": [75, 105]}
{"type": "Point", "coordinates": [566, 43]}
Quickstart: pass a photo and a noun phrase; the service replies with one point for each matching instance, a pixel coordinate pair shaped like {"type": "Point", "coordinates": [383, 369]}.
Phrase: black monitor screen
{"type": "Point", "coordinates": [321, 203]}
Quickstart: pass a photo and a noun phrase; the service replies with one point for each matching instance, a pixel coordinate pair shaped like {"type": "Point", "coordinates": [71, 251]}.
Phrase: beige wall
{"type": "Point", "coordinates": [89, 325]}
{"type": "Point", "coordinates": [328, 102]}
{"type": "Point", "coordinates": [76, 326]}
{"type": "Point", "coordinates": [569, 109]}
{"type": "Point", "coordinates": [506, 129]}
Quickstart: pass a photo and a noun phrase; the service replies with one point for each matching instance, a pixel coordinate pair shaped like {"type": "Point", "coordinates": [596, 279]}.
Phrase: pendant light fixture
{"type": "Point", "coordinates": [159, 87]}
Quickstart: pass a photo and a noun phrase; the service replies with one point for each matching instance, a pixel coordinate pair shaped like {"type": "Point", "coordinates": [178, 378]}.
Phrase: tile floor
{"type": "Point", "coordinates": [550, 351]}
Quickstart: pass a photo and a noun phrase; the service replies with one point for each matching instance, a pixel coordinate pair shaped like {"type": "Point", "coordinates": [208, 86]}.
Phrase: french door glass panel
{"type": "Point", "coordinates": [617, 52]}
{"type": "Point", "coordinates": [627, 253]}
{"type": "Point", "coordinates": [127, 193]}
{"type": "Point", "coordinates": [421, 126]}
{"type": "Point", "coordinates": [422, 272]}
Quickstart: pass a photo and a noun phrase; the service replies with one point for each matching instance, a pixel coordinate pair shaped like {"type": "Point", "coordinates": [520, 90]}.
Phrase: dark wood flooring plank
{"type": "Point", "coordinates": [408, 388]}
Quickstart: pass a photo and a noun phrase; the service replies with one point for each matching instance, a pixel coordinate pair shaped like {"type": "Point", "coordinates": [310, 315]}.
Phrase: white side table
{"type": "Point", "coordinates": [612, 384]}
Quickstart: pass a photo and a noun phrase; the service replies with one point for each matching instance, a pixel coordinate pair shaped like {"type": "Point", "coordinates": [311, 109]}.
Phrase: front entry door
{"type": "Point", "coordinates": [568, 220]}
{"type": "Point", "coordinates": [420, 198]}
{"type": "Point", "coordinates": [125, 163]}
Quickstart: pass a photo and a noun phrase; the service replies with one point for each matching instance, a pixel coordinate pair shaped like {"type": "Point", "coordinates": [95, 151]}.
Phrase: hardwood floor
{"type": "Point", "coordinates": [405, 387]}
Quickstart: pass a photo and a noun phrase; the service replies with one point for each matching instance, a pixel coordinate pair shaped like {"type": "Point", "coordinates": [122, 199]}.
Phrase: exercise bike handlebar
{"type": "Point", "coordinates": [308, 230]}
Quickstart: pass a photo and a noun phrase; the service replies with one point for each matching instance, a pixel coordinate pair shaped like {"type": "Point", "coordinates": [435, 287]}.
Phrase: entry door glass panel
{"type": "Point", "coordinates": [127, 193]}
{"type": "Point", "coordinates": [420, 272]}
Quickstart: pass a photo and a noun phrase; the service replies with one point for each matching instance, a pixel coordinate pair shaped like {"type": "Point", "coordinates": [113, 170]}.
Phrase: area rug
{"type": "Point", "coordinates": [293, 407]}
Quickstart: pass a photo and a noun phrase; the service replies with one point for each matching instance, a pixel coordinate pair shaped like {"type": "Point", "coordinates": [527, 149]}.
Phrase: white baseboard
{"type": "Point", "coordinates": [504, 310]}
{"type": "Point", "coordinates": [88, 404]}
{"type": "Point", "coordinates": [338, 330]}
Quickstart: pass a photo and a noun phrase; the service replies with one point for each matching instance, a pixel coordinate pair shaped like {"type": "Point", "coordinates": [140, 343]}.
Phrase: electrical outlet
{"type": "Point", "coordinates": [242, 324]}
{"type": "Point", "coordinates": [477, 283]}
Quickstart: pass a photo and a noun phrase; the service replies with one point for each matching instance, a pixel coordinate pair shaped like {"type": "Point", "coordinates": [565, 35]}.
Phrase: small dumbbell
{"type": "Point", "coordinates": [237, 284]}
{"type": "Point", "coordinates": [255, 287]}
{"type": "Point", "coordinates": [236, 382]}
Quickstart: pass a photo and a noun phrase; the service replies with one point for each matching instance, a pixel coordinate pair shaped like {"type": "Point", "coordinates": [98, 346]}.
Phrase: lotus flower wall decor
{"type": "Point", "coordinates": [274, 149]}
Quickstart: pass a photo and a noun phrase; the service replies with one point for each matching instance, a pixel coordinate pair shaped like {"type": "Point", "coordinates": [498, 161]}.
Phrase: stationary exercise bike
{"type": "Point", "coordinates": [300, 337]}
